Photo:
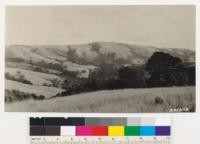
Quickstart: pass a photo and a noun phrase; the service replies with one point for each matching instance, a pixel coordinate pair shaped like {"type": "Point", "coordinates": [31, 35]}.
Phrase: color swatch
{"type": "Point", "coordinates": [132, 130]}
{"type": "Point", "coordinates": [49, 126]}
{"type": "Point", "coordinates": [147, 130]}
{"type": "Point", "coordinates": [115, 130]}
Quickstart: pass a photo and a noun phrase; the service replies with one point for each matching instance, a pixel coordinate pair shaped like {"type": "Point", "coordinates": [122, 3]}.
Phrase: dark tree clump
{"type": "Point", "coordinates": [165, 70]}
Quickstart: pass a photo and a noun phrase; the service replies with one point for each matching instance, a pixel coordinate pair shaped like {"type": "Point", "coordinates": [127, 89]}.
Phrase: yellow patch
{"type": "Point", "coordinates": [116, 130]}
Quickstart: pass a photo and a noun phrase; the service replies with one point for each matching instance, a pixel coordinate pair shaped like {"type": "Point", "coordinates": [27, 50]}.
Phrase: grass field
{"type": "Point", "coordinates": [125, 100]}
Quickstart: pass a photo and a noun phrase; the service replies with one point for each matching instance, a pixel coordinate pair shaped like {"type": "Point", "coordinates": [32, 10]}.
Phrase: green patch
{"type": "Point", "coordinates": [132, 131]}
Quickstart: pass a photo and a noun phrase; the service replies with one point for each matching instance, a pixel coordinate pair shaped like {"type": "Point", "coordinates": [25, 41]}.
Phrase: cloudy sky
{"type": "Point", "coordinates": [163, 26]}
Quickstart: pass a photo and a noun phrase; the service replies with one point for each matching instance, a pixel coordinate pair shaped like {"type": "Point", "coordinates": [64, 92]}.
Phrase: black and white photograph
{"type": "Point", "coordinates": [100, 58]}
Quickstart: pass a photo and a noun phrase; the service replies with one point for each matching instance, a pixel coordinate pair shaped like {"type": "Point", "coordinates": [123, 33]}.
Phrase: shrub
{"type": "Point", "coordinates": [19, 77]}
{"type": "Point", "coordinates": [46, 84]}
{"type": "Point", "coordinates": [159, 101]}
{"type": "Point", "coordinates": [15, 95]}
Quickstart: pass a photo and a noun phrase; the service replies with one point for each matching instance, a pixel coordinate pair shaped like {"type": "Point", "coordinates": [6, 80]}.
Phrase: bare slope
{"type": "Point", "coordinates": [125, 100]}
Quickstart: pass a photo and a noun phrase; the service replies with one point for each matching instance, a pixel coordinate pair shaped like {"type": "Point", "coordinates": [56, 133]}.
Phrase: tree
{"type": "Point", "coordinates": [161, 61]}
{"type": "Point", "coordinates": [95, 47]}
{"type": "Point", "coordinates": [71, 55]}
{"type": "Point", "coordinates": [55, 82]}
{"type": "Point", "coordinates": [131, 77]}
{"type": "Point", "coordinates": [164, 70]}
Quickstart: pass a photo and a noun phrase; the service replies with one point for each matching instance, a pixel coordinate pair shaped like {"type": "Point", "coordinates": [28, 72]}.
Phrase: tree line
{"type": "Point", "coordinates": [160, 70]}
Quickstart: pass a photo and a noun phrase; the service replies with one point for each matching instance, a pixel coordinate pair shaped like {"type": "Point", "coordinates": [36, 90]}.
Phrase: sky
{"type": "Point", "coordinates": [161, 26]}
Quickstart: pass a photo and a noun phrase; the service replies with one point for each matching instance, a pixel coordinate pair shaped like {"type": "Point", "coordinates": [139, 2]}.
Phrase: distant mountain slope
{"type": "Point", "coordinates": [26, 53]}
{"type": "Point", "coordinates": [90, 53]}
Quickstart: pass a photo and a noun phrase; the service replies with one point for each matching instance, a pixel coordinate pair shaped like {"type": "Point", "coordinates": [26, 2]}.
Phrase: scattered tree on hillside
{"type": "Point", "coordinates": [95, 47]}
{"type": "Point", "coordinates": [71, 55]}
{"type": "Point", "coordinates": [55, 82]}
{"type": "Point", "coordinates": [19, 77]}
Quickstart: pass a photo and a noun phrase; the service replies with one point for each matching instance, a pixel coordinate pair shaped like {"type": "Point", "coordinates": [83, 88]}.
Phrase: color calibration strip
{"type": "Point", "coordinates": [75, 126]}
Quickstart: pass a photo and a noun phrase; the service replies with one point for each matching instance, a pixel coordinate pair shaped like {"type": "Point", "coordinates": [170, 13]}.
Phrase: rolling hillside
{"type": "Point", "coordinates": [26, 88]}
{"type": "Point", "coordinates": [125, 100]}
{"type": "Point", "coordinates": [36, 78]}
{"type": "Point", "coordinates": [48, 70]}
{"type": "Point", "coordinates": [89, 52]}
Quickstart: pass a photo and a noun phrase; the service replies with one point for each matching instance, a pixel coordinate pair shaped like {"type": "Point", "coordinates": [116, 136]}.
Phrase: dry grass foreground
{"type": "Point", "coordinates": [124, 100]}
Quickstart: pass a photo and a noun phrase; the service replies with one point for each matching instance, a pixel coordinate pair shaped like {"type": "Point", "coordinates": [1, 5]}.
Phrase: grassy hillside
{"type": "Point", "coordinates": [124, 100]}
{"type": "Point", "coordinates": [90, 53]}
{"type": "Point", "coordinates": [36, 78]}
{"type": "Point", "coordinates": [35, 73]}
{"type": "Point", "coordinates": [83, 70]}
{"type": "Point", "coordinates": [38, 90]}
